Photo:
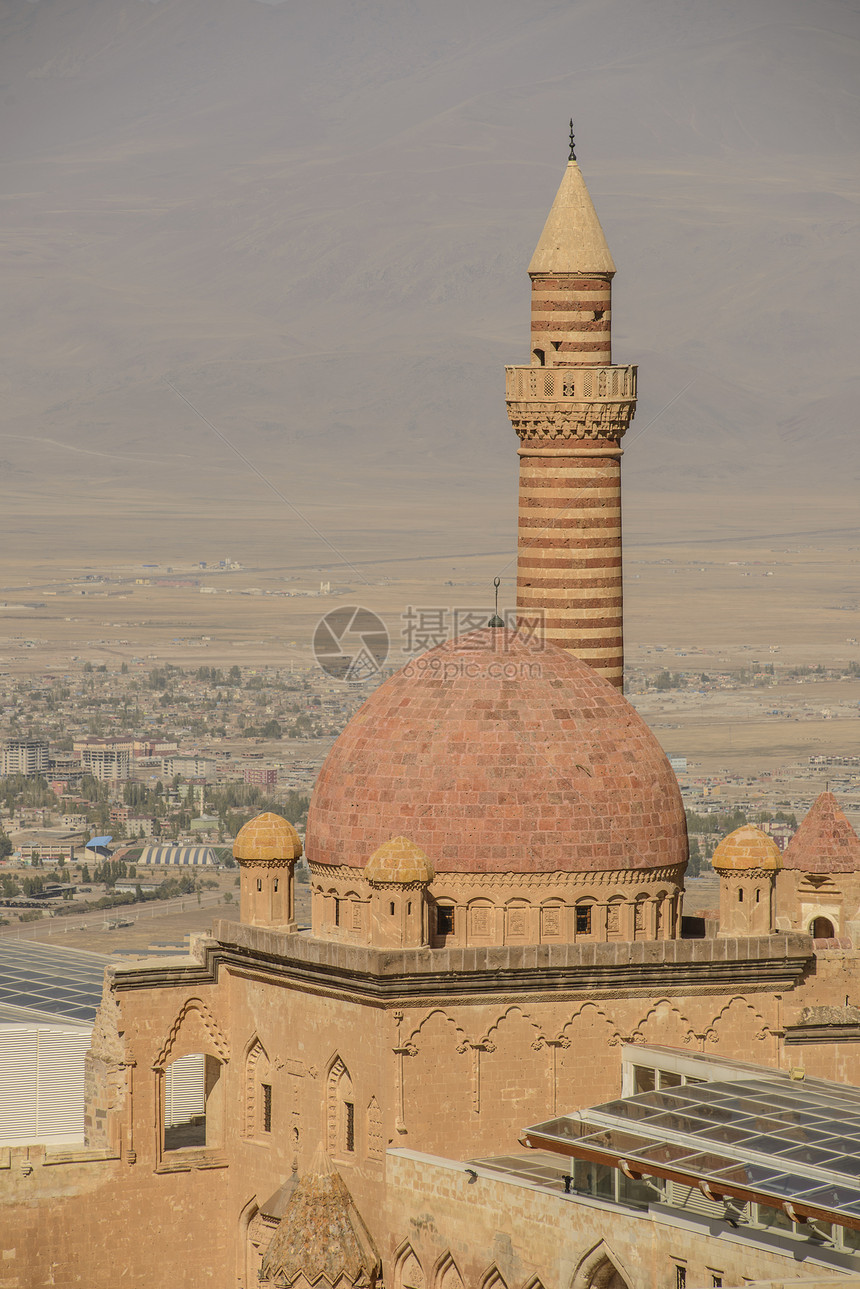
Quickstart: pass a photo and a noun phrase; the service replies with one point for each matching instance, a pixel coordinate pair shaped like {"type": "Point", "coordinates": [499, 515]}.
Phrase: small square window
{"type": "Point", "coordinates": [445, 919]}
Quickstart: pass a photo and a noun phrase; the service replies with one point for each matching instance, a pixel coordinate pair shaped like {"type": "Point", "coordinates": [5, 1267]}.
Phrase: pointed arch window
{"type": "Point", "coordinates": [258, 1092]}
{"type": "Point", "coordinates": [340, 1112]}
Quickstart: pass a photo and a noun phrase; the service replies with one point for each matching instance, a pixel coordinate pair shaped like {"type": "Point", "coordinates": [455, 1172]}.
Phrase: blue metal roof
{"type": "Point", "coordinates": [98, 841]}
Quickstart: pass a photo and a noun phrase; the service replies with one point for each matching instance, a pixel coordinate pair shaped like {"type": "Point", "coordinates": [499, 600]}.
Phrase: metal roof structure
{"type": "Point", "coordinates": [99, 841]}
{"type": "Point", "coordinates": [39, 982]}
{"type": "Point", "coordinates": [183, 856]}
{"type": "Point", "coordinates": [788, 1144]}
{"type": "Point", "coordinates": [42, 1082]}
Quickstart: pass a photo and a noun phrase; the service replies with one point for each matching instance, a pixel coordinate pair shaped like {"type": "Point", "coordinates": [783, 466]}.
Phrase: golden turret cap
{"type": "Point", "coordinates": [399, 862]}
{"type": "Point", "coordinates": [267, 837]}
{"type": "Point", "coordinates": [745, 848]}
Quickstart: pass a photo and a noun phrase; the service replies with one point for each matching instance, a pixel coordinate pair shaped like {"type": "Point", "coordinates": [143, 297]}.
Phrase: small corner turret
{"type": "Point", "coordinates": [747, 862]}
{"type": "Point", "coordinates": [266, 850]}
{"type": "Point", "coordinates": [399, 874]}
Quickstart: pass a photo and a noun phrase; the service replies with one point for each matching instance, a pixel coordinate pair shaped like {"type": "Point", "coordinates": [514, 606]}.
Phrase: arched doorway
{"type": "Point", "coordinates": [822, 929]}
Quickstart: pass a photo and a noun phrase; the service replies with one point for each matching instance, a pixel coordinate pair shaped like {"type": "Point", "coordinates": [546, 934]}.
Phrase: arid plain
{"type": "Point", "coordinates": [718, 596]}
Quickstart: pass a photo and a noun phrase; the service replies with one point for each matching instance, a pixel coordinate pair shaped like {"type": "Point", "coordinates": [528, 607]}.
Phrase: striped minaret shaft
{"type": "Point", "coordinates": [570, 409]}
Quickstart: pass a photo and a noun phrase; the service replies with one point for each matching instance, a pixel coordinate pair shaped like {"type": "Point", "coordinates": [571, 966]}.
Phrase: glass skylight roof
{"type": "Point", "coordinates": [795, 1141]}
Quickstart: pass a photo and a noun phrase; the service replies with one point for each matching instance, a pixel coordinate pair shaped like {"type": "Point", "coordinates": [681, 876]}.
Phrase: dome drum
{"type": "Point", "coordinates": [465, 910]}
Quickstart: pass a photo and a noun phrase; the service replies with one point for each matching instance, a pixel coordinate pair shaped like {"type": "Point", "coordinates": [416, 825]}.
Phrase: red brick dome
{"type": "Point", "coordinates": [498, 755]}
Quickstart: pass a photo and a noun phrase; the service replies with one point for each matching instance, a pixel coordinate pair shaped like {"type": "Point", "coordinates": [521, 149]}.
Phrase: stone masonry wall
{"type": "Point", "coordinates": [510, 1235]}
{"type": "Point", "coordinates": [82, 1221]}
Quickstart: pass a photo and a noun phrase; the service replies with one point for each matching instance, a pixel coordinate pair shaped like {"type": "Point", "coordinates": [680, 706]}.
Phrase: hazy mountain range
{"type": "Point", "coordinates": [315, 218]}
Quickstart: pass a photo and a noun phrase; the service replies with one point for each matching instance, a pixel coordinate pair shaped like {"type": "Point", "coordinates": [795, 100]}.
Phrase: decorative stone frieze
{"type": "Point", "coordinates": [571, 420]}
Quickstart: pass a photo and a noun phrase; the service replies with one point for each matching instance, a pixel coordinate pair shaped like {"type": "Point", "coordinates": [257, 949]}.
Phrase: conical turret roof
{"type": "Point", "coordinates": [321, 1235]}
{"type": "Point", "coordinates": [572, 240]}
{"type": "Point", "coordinates": [825, 842]}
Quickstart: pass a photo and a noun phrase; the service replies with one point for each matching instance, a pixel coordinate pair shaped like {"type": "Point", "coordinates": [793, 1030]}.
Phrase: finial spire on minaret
{"type": "Point", "coordinates": [495, 620]}
{"type": "Point", "coordinates": [572, 156]}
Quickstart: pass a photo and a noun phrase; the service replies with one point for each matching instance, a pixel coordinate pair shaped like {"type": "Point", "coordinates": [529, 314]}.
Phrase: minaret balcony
{"type": "Point", "coordinates": [570, 384]}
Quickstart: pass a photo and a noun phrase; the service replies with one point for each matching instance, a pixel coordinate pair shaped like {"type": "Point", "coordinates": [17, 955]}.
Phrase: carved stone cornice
{"type": "Point", "coordinates": [551, 421]}
{"type": "Point", "coordinates": [673, 874]}
{"type": "Point", "coordinates": [265, 863]}
{"type": "Point", "coordinates": [336, 872]}
{"type": "Point", "coordinates": [741, 874]}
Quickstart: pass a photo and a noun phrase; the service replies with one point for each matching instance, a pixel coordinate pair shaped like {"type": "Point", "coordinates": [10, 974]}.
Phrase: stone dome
{"type": "Point", "coordinates": [399, 861]}
{"type": "Point", "coordinates": [499, 755]}
{"type": "Point", "coordinates": [746, 847]}
{"type": "Point", "coordinates": [267, 837]}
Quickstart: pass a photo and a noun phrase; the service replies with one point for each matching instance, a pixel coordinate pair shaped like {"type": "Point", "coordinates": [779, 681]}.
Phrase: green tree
{"type": "Point", "coordinates": [694, 867]}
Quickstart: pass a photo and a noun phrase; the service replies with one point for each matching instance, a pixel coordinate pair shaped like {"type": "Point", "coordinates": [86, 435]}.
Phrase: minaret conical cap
{"type": "Point", "coordinates": [572, 240]}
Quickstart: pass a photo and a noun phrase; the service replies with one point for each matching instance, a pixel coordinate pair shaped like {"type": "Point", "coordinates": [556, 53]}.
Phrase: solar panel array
{"type": "Point", "coordinates": [793, 1141]}
{"type": "Point", "coordinates": [38, 978]}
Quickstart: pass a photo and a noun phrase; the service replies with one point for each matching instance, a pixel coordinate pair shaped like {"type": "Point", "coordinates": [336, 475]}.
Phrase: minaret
{"type": "Point", "coordinates": [570, 409]}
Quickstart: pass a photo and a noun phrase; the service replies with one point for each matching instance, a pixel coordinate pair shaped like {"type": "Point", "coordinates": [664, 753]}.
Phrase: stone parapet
{"type": "Point", "coordinates": [392, 976]}
{"type": "Point", "coordinates": [549, 403]}
{"type": "Point", "coordinates": [578, 384]}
